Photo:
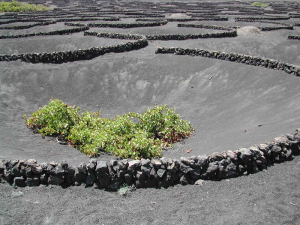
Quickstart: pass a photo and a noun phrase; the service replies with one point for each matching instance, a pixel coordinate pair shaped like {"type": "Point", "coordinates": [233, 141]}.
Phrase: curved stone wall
{"type": "Point", "coordinates": [263, 18]}
{"type": "Point", "coordinates": [56, 32]}
{"type": "Point", "coordinates": [294, 37]}
{"type": "Point", "coordinates": [212, 27]}
{"type": "Point", "coordinates": [238, 58]}
{"type": "Point", "coordinates": [27, 26]}
{"type": "Point", "coordinates": [70, 56]}
{"type": "Point", "coordinates": [146, 173]}
{"type": "Point", "coordinates": [127, 25]}
{"type": "Point", "coordinates": [114, 35]}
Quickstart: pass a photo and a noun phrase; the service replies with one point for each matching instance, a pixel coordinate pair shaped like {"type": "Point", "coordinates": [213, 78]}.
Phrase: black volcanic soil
{"type": "Point", "coordinates": [231, 105]}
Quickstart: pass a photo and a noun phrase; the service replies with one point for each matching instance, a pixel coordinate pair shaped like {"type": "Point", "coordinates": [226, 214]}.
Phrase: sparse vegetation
{"type": "Point", "coordinates": [260, 4]}
{"type": "Point", "coordinates": [131, 135]}
{"type": "Point", "coordinates": [15, 6]}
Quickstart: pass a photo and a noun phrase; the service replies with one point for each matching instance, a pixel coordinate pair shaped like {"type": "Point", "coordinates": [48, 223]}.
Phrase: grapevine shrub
{"type": "Point", "coordinates": [15, 6]}
{"type": "Point", "coordinates": [131, 135]}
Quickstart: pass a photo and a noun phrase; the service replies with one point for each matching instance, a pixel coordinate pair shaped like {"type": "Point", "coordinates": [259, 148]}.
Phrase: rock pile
{"type": "Point", "coordinates": [162, 172]}
{"type": "Point", "coordinates": [233, 57]}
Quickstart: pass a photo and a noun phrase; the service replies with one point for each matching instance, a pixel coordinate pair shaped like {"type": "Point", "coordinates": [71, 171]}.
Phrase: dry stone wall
{"type": "Point", "coordinates": [70, 56]}
{"type": "Point", "coordinates": [56, 32]}
{"type": "Point", "coordinates": [146, 173]}
{"type": "Point", "coordinates": [294, 37]}
{"type": "Point", "coordinates": [27, 26]}
{"type": "Point", "coordinates": [233, 57]}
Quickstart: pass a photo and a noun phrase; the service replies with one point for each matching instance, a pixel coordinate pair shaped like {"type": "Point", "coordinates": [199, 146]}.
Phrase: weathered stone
{"type": "Point", "coordinates": [122, 165]}
{"type": "Point", "coordinates": [199, 182]}
{"type": "Point", "coordinates": [245, 155]}
{"type": "Point", "coordinates": [295, 147]}
{"type": "Point", "coordinates": [82, 168]}
{"type": "Point", "coordinates": [202, 160]}
{"type": "Point", "coordinates": [172, 167]}
{"type": "Point", "coordinates": [184, 168]}
{"type": "Point", "coordinates": [156, 163]}
{"type": "Point", "coordinates": [264, 148]}
{"type": "Point", "coordinates": [212, 170]}
{"type": "Point", "coordinates": [195, 173]}
{"type": "Point", "coordinates": [101, 167]}
{"type": "Point", "coordinates": [232, 155]}
{"type": "Point", "coordinates": [19, 182]}
{"type": "Point", "coordinates": [56, 179]}
{"type": "Point", "coordinates": [187, 161]}
{"type": "Point", "coordinates": [44, 179]}
{"type": "Point", "coordinates": [79, 177]}
{"type": "Point", "coordinates": [185, 179]}
{"type": "Point", "coordinates": [59, 170]}
{"type": "Point", "coordinates": [145, 162]}
{"type": "Point", "coordinates": [34, 181]}
{"type": "Point", "coordinates": [128, 178]}
{"type": "Point", "coordinates": [276, 149]}
{"type": "Point", "coordinates": [37, 169]}
{"type": "Point", "coordinates": [90, 179]}
{"type": "Point", "coordinates": [161, 172]}
{"type": "Point", "coordinates": [132, 165]}
{"type": "Point", "coordinates": [15, 171]}
{"type": "Point", "coordinates": [93, 160]}
{"type": "Point", "coordinates": [91, 167]}
{"type": "Point", "coordinates": [31, 162]}
{"type": "Point", "coordinates": [64, 164]}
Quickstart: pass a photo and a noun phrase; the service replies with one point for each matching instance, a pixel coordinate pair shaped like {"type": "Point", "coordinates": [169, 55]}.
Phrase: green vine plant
{"type": "Point", "coordinates": [15, 6]}
{"type": "Point", "coordinates": [131, 135]}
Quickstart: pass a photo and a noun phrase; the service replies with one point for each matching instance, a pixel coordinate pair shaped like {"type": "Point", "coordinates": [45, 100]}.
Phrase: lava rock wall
{"type": "Point", "coordinates": [146, 173]}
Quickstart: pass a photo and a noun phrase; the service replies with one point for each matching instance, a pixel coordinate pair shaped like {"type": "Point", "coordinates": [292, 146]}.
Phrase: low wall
{"type": "Point", "coordinates": [114, 35]}
{"type": "Point", "coordinates": [238, 58]}
{"type": "Point", "coordinates": [164, 37]}
{"type": "Point", "coordinates": [144, 173]}
{"type": "Point", "coordinates": [294, 37]}
{"type": "Point", "coordinates": [263, 18]}
{"type": "Point", "coordinates": [56, 32]}
{"type": "Point", "coordinates": [27, 26]}
{"type": "Point", "coordinates": [128, 25]}
{"type": "Point", "coordinates": [70, 56]}
{"type": "Point", "coordinates": [87, 19]}
{"type": "Point", "coordinates": [212, 27]}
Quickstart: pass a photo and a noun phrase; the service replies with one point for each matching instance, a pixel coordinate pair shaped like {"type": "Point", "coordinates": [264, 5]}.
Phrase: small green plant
{"type": "Point", "coordinates": [131, 135]}
{"type": "Point", "coordinates": [15, 6]}
{"type": "Point", "coordinates": [260, 4]}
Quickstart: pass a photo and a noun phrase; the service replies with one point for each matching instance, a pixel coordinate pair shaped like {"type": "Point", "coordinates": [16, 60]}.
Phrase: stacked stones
{"type": "Point", "coordinates": [165, 37]}
{"type": "Point", "coordinates": [294, 37]}
{"type": "Point", "coordinates": [263, 18]}
{"type": "Point", "coordinates": [27, 26]}
{"type": "Point", "coordinates": [212, 27]}
{"type": "Point", "coordinates": [87, 19]}
{"type": "Point", "coordinates": [198, 19]}
{"type": "Point", "coordinates": [284, 25]}
{"type": "Point", "coordinates": [21, 20]}
{"type": "Point", "coordinates": [163, 172]}
{"type": "Point", "coordinates": [114, 35]}
{"type": "Point", "coordinates": [69, 56]}
{"type": "Point", "coordinates": [238, 58]}
{"type": "Point", "coordinates": [127, 25]}
{"type": "Point", "coordinates": [56, 32]}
